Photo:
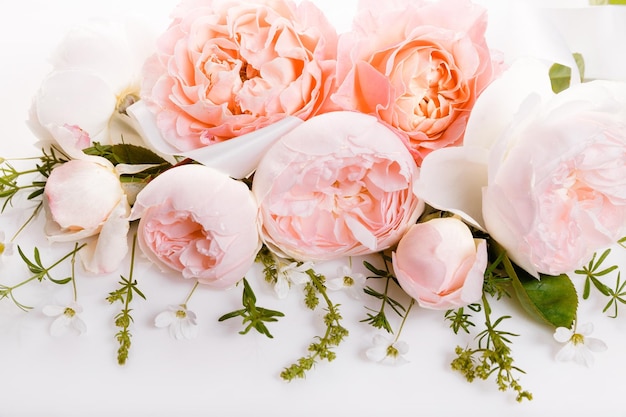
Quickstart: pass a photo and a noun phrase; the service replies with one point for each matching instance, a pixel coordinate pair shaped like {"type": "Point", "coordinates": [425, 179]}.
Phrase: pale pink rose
{"type": "Point", "coordinates": [85, 199]}
{"type": "Point", "coordinates": [340, 184]}
{"type": "Point", "coordinates": [199, 222]}
{"type": "Point", "coordinates": [228, 67]}
{"type": "Point", "coordinates": [440, 264]}
{"type": "Point", "coordinates": [418, 66]}
{"type": "Point", "coordinates": [556, 190]}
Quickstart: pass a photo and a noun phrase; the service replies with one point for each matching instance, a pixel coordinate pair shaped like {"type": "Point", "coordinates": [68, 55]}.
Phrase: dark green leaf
{"type": "Point", "coordinates": [60, 281]}
{"type": "Point", "coordinates": [133, 154]}
{"type": "Point", "coordinates": [551, 298]}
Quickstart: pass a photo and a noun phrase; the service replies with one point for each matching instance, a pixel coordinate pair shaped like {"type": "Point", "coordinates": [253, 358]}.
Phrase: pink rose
{"type": "Point", "coordinates": [84, 199]}
{"type": "Point", "coordinates": [416, 65]}
{"type": "Point", "coordinates": [556, 189]}
{"type": "Point", "coordinates": [340, 184]}
{"type": "Point", "coordinates": [200, 222]}
{"type": "Point", "coordinates": [228, 67]}
{"type": "Point", "coordinates": [440, 264]}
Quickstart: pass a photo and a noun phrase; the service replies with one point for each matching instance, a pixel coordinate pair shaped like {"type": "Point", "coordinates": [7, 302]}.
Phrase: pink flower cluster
{"type": "Point", "coordinates": [375, 102]}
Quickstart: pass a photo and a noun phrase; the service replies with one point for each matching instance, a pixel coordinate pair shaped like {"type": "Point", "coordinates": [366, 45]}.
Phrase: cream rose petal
{"type": "Point", "coordinates": [76, 97]}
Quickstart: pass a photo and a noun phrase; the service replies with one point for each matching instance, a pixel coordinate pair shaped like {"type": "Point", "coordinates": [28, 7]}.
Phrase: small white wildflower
{"type": "Point", "coordinates": [289, 275]}
{"type": "Point", "coordinates": [67, 319]}
{"type": "Point", "coordinates": [579, 347]}
{"type": "Point", "coordinates": [387, 352]}
{"type": "Point", "coordinates": [180, 321]}
{"type": "Point", "coordinates": [346, 279]}
{"type": "Point", "coordinates": [6, 248]}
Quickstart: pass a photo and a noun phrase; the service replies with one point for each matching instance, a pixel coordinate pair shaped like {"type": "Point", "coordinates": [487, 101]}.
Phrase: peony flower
{"type": "Point", "coordinates": [67, 319]}
{"type": "Point", "coordinates": [340, 184]}
{"type": "Point", "coordinates": [578, 345]}
{"type": "Point", "coordinates": [346, 279]}
{"type": "Point", "coordinates": [387, 352]}
{"type": "Point", "coordinates": [228, 67]}
{"type": "Point", "coordinates": [180, 321]}
{"type": "Point", "coordinates": [440, 264]}
{"type": "Point", "coordinates": [416, 65]}
{"type": "Point", "coordinates": [199, 222]}
{"type": "Point", "coordinates": [85, 199]}
{"type": "Point", "coordinates": [550, 168]}
{"type": "Point", "coordinates": [95, 77]}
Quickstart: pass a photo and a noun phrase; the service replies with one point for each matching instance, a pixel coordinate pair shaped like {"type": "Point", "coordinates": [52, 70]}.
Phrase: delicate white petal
{"type": "Point", "coordinates": [452, 179]}
{"type": "Point", "coordinates": [188, 329]}
{"type": "Point", "coordinates": [281, 288]}
{"type": "Point", "coordinates": [566, 353]}
{"type": "Point", "coordinates": [499, 102]}
{"type": "Point", "coordinates": [237, 157]}
{"type": "Point", "coordinates": [60, 325]}
{"type": "Point", "coordinates": [563, 334]}
{"type": "Point", "coordinates": [164, 319]}
{"type": "Point", "coordinates": [78, 324]}
{"type": "Point", "coordinates": [583, 355]}
{"type": "Point", "coordinates": [376, 354]}
{"type": "Point", "coordinates": [595, 345]}
{"type": "Point", "coordinates": [78, 98]}
{"type": "Point", "coordinates": [105, 253]}
{"type": "Point", "coordinates": [402, 347]}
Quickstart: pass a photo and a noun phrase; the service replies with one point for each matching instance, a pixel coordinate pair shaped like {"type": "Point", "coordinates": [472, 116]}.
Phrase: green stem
{"type": "Point", "coordinates": [184, 304]}
{"type": "Point", "coordinates": [408, 310]}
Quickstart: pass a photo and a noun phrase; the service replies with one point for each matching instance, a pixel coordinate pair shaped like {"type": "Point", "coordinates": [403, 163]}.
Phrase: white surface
{"type": "Point", "coordinates": [222, 373]}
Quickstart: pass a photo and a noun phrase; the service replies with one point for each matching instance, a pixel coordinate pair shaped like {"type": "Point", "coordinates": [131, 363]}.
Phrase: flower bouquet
{"type": "Point", "coordinates": [405, 162]}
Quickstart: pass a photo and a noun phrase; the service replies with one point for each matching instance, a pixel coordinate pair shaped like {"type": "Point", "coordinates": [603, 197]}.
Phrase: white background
{"type": "Point", "coordinates": [222, 373]}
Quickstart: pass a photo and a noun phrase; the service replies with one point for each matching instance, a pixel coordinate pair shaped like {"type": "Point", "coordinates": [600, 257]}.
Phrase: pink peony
{"type": "Point", "coordinates": [556, 189]}
{"type": "Point", "coordinates": [440, 264]}
{"type": "Point", "coordinates": [200, 222]}
{"type": "Point", "coordinates": [416, 65]}
{"type": "Point", "coordinates": [340, 184]}
{"type": "Point", "coordinates": [228, 67]}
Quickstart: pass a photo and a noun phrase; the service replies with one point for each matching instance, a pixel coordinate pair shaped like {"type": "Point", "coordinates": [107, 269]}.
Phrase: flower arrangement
{"type": "Point", "coordinates": [429, 170]}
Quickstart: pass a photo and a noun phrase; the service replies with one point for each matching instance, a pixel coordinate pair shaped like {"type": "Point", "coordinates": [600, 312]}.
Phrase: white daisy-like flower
{"type": "Point", "coordinates": [346, 279]}
{"type": "Point", "coordinates": [579, 346]}
{"type": "Point", "coordinates": [180, 321]}
{"type": "Point", "coordinates": [291, 274]}
{"type": "Point", "coordinates": [67, 319]}
{"type": "Point", "coordinates": [388, 352]}
{"type": "Point", "coordinates": [6, 247]}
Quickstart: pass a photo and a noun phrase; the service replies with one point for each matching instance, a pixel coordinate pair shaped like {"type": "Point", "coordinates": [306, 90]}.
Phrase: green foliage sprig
{"type": "Point", "coordinates": [334, 335]}
{"type": "Point", "coordinates": [593, 272]}
{"type": "Point", "coordinates": [270, 266]}
{"type": "Point", "coordinates": [39, 273]}
{"type": "Point", "coordinates": [123, 319]}
{"type": "Point", "coordinates": [492, 356]}
{"type": "Point", "coordinates": [256, 317]}
{"type": "Point", "coordinates": [379, 319]}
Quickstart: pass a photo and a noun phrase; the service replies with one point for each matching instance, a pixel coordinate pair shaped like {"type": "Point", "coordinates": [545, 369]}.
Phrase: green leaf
{"type": "Point", "coordinates": [553, 299]}
{"type": "Point", "coordinates": [133, 154]}
{"type": "Point", "coordinates": [580, 63]}
{"type": "Point", "coordinates": [560, 77]}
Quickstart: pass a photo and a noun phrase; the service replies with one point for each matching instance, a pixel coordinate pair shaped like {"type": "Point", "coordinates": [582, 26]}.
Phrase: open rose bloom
{"type": "Point", "coordinates": [225, 68]}
{"type": "Point", "coordinates": [200, 222]}
{"type": "Point", "coordinates": [85, 200]}
{"type": "Point", "coordinates": [440, 264]}
{"type": "Point", "coordinates": [551, 169]}
{"type": "Point", "coordinates": [340, 184]}
{"type": "Point", "coordinates": [416, 65]}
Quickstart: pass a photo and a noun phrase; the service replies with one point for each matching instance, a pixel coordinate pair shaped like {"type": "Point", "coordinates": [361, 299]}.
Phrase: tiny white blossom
{"type": "Point", "coordinates": [6, 248]}
{"type": "Point", "coordinates": [578, 346]}
{"type": "Point", "coordinates": [387, 352]}
{"type": "Point", "coordinates": [352, 282]}
{"type": "Point", "coordinates": [289, 275]}
{"type": "Point", "coordinates": [67, 319]}
{"type": "Point", "coordinates": [180, 321]}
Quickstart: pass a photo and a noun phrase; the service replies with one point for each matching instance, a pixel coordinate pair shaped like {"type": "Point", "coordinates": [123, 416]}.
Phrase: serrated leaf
{"type": "Point", "coordinates": [553, 299]}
